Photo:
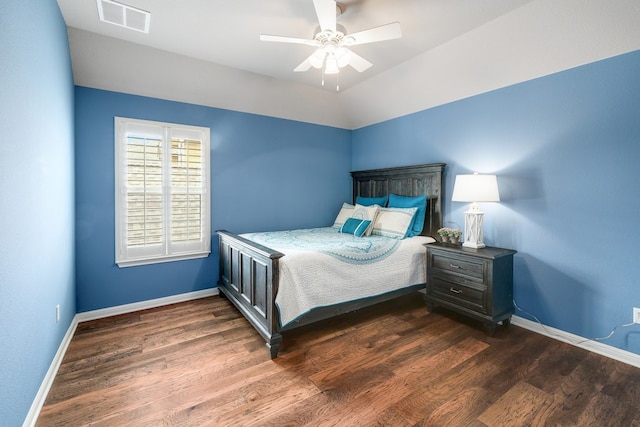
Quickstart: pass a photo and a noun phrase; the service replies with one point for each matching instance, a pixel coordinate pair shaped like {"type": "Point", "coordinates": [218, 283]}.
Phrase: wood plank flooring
{"type": "Point", "coordinates": [199, 363]}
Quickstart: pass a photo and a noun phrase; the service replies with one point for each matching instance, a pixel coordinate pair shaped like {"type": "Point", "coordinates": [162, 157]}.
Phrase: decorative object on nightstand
{"type": "Point", "coordinates": [475, 188]}
{"type": "Point", "coordinates": [449, 235]}
{"type": "Point", "coordinates": [475, 282]}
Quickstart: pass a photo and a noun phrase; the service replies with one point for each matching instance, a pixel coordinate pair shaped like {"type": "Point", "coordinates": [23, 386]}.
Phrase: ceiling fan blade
{"type": "Point", "coordinates": [326, 11]}
{"type": "Point", "coordinates": [304, 66]}
{"type": "Point", "coordinates": [383, 32]}
{"type": "Point", "coordinates": [358, 62]}
{"type": "Point", "coordinates": [284, 39]}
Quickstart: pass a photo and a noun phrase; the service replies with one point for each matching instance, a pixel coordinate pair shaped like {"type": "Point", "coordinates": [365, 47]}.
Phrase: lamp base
{"type": "Point", "coordinates": [473, 245]}
{"type": "Point", "coordinates": [473, 225]}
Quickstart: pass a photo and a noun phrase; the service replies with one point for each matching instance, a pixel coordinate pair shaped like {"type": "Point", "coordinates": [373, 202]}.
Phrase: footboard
{"type": "Point", "coordinates": [249, 279]}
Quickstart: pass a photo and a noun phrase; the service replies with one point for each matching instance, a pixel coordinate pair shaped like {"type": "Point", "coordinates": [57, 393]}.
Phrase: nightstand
{"type": "Point", "coordinates": [475, 282]}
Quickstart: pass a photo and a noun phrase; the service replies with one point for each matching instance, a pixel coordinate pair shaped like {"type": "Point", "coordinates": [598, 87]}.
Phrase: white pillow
{"type": "Point", "coordinates": [366, 212]}
{"type": "Point", "coordinates": [393, 222]}
{"type": "Point", "coordinates": [345, 212]}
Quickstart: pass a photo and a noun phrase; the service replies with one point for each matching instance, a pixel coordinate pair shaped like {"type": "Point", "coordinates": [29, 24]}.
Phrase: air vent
{"type": "Point", "coordinates": [124, 16]}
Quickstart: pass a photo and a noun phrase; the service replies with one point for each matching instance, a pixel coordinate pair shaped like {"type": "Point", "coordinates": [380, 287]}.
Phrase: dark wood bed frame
{"type": "Point", "coordinates": [249, 272]}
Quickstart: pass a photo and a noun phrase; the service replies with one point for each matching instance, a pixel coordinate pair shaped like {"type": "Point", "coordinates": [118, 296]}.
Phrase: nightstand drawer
{"type": "Point", "coordinates": [467, 266]}
{"type": "Point", "coordinates": [472, 297]}
{"type": "Point", "coordinates": [458, 278]}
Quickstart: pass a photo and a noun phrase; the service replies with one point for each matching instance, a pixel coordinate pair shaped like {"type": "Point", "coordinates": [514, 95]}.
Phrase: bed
{"type": "Point", "coordinates": [251, 270]}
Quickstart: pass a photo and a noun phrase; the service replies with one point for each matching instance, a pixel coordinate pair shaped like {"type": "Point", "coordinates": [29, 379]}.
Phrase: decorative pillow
{"type": "Point", "coordinates": [345, 212]}
{"type": "Point", "coordinates": [366, 213]}
{"type": "Point", "coordinates": [419, 202]}
{"type": "Point", "coordinates": [394, 222]}
{"type": "Point", "coordinates": [355, 226]}
{"type": "Point", "coordinates": [369, 201]}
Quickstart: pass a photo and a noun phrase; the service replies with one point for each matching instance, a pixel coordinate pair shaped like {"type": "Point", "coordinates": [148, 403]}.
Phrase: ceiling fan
{"type": "Point", "coordinates": [332, 42]}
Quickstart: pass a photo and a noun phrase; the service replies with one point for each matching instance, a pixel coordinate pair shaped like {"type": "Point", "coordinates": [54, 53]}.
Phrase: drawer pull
{"type": "Point", "coordinates": [454, 265]}
{"type": "Point", "coordinates": [455, 291]}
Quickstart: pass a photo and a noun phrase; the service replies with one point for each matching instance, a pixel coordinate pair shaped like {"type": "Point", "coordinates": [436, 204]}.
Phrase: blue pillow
{"type": "Point", "coordinates": [419, 202]}
{"type": "Point", "coordinates": [355, 226]}
{"type": "Point", "coordinates": [370, 201]}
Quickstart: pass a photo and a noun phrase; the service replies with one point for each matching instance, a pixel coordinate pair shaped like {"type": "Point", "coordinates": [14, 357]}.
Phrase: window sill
{"type": "Point", "coordinates": [158, 260]}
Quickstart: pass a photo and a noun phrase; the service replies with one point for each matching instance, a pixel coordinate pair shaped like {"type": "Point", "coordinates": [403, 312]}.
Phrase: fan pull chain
{"type": "Point", "coordinates": [338, 82]}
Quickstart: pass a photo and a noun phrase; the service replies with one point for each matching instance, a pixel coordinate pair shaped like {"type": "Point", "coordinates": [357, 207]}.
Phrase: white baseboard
{"type": "Point", "coordinates": [144, 305]}
{"type": "Point", "coordinates": [47, 382]}
{"type": "Point", "coordinates": [41, 396]}
{"type": "Point", "coordinates": [578, 341]}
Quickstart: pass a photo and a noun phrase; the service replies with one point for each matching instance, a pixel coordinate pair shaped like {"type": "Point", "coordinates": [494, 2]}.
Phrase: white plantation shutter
{"type": "Point", "coordinates": [187, 190]}
{"type": "Point", "coordinates": [162, 192]}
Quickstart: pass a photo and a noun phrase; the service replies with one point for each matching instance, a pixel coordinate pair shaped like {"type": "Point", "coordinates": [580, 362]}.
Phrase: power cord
{"type": "Point", "coordinates": [613, 331]}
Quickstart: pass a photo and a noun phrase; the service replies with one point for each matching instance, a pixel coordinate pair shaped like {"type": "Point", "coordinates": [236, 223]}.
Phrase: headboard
{"type": "Point", "coordinates": [406, 181]}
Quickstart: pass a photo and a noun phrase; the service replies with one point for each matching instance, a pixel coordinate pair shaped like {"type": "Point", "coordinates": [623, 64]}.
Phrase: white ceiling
{"type": "Point", "coordinates": [208, 52]}
{"type": "Point", "coordinates": [227, 32]}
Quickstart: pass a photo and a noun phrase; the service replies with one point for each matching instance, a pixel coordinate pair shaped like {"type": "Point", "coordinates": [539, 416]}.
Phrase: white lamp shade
{"type": "Point", "coordinates": [317, 59]}
{"type": "Point", "coordinates": [331, 65]}
{"type": "Point", "coordinates": [475, 188]}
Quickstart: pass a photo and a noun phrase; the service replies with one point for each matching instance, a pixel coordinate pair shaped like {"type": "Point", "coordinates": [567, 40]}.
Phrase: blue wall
{"type": "Point", "coordinates": [266, 174]}
{"type": "Point", "coordinates": [36, 198]}
{"type": "Point", "coordinates": [566, 149]}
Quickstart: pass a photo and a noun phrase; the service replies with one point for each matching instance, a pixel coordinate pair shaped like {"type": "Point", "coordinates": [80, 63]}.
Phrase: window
{"type": "Point", "coordinates": [162, 192]}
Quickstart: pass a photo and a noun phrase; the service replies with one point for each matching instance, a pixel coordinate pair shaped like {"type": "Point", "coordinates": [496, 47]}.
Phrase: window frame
{"type": "Point", "coordinates": [167, 250]}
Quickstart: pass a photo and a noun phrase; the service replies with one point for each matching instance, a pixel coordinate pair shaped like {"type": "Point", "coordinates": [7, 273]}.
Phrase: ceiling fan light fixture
{"type": "Point", "coordinates": [317, 59]}
{"type": "Point", "coordinates": [331, 65]}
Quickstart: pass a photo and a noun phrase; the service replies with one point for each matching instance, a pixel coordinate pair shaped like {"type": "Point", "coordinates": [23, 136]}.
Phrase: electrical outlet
{"type": "Point", "coordinates": [636, 315]}
{"type": "Point", "coordinates": [57, 313]}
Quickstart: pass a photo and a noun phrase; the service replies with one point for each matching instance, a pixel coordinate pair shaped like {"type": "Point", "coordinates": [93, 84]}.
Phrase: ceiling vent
{"type": "Point", "coordinates": [124, 16]}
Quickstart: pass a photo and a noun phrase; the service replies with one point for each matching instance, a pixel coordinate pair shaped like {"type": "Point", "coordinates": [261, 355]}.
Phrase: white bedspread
{"type": "Point", "coordinates": [322, 267]}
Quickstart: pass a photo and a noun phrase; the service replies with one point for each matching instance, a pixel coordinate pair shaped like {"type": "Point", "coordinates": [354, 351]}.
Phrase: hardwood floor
{"type": "Point", "coordinates": [200, 363]}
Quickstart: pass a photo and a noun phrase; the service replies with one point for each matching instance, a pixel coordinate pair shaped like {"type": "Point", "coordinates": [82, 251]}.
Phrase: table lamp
{"type": "Point", "coordinates": [475, 188]}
